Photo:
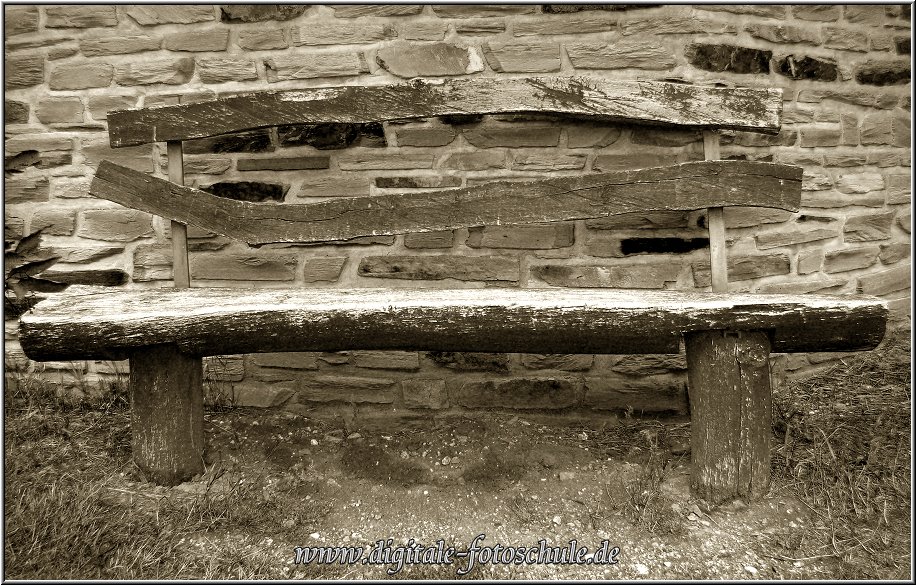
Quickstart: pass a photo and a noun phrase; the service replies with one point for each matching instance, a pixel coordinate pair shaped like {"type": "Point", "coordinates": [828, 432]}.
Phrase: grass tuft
{"type": "Point", "coordinates": [844, 446]}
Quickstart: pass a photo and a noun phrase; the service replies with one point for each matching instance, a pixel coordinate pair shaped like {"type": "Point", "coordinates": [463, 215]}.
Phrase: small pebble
{"type": "Point", "coordinates": [642, 569]}
{"type": "Point", "coordinates": [750, 569]}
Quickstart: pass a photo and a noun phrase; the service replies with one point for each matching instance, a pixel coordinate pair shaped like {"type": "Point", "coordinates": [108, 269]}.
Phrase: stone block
{"type": "Point", "coordinates": [490, 134]}
{"type": "Point", "coordinates": [641, 160]}
{"type": "Point", "coordinates": [153, 14]}
{"type": "Point", "coordinates": [649, 275]}
{"type": "Point", "coordinates": [293, 360]}
{"type": "Point", "coordinates": [118, 45]}
{"type": "Point", "coordinates": [352, 389]}
{"type": "Point", "coordinates": [314, 65]}
{"type": "Point", "coordinates": [333, 184]}
{"type": "Point", "coordinates": [650, 365]}
{"type": "Point", "coordinates": [295, 163]}
{"type": "Point", "coordinates": [674, 24]}
{"type": "Point", "coordinates": [19, 20]}
{"type": "Point", "coordinates": [622, 54]}
{"type": "Point", "coordinates": [251, 141]}
{"type": "Point", "coordinates": [219, 70]}
{"type": "Point", "coordinates": [15, 112]}
{"type": "Point", "coordinates": [658, 394]}
{"type": "Point", "coordinates": [83, 254]}
{"type": "Point", "coordinates": [431, 59]}
{"type": "Point", "coordinates": [149, 72]}
{"type": "Point", "coordinates": [425, 135]}
{"type": "Point", "coordinates": [519, 393]}
{"type": "Point", "coordinates": [868, 227]}
{"type": "Point", "coordinates": [115, 225]}
{"type": "Point", "coordinates": [892, 129]}
{"type": "Point", "coordinates": [25, 188]}
{"type": "Point", "coordinates": [97, 149]}
{"type": "Point", "coordinates": [817, 12]}
{"type": "Point", "coordinates": [431, 240]}
{"type": "Point", "coordinates": [890, 253]}
{"type": "Point", "coordinates": [23, 71]}
{"type": "Point", "coordinates": [81, 76]}
{"type": "Point", "coordinates": [440, 267]}
{"type": "Point", "coordinates": [479, 27]}
{"type": "Point", "coordinates": [810, 261]}
{"type": "Point", "coordinates": [850, 259]}
{"type": "Point", "coordinates": [214, 39]}
{"type": "Point", "coordinates": [845, 39]}
{"type": "Point", "coordinates": [807, 229]}
{"type": "Point", "coordinates": [366, 160]}
{"type": "Point", "coordinates": [422, 31]}
{"type": "Point", "coordinates": [764, 10]}
{"type": "Point", "coordinates": [261, 265]}
{"type": "Point", "coordinates": [817, 135]}
{"type": "Point", "coordinates": [863, 14]}
{"type": "Point", "coordinates": [592, 135]}
{"type": "Point", "coordinates": [514, 57]}
{"type": "Point", "coordinates": [465, 361]}
{"type": "Point", "coordinates": [740, 217]}
{"type": "Point", "coordinates": [474, 161]}
{"type": "Point", "coordinates": [524, 237]}
{"type": "Point", "coordinates": [326, 269]}
{"type": "Point", "coordinates": [898, 189]}
{"type": "Point", "coordinates": [481, 10]}
{"type": "Point", "coordinates": [885, 281]}
{"type": "Point", "coordinates": [730, 58]}
{"type": "Point", "coordinates": [54, 222]}
{"type": "Point", "coordinates": [860, 183]}
{"type": "Point", "coordinates": [744, 268]}
{"type": "Point", "coordinates": [342, 33]}
{"type": "Point", "coordinates": [262, 40]}
{"type": "Point", "coordinates": [540, 161]}
{"type": "Point", "coordinates": [424, 393]}
{"type": "Point", "coordinates": [818, 284]}
{"type": "Point", "coordinates": [557, 361]}
{"type": "Point", "coordinates": [784, 33]}
{"type": "Point", "coordinates": [795, 67]}
{"type": "Point", "coordinates": [358, 10]}
{"type": "Point", "coordinates": [386, 360]}
{"type": "Point", "coordinates": [883, 73]}
{"type": "Point", "coordinates": [236, 13]}
{"type": "Point", "coordinates": [80, 16]}
{"type": "Point", "coordinates": [261, 395]}
{"type": "Point", "coordinates": [656, 220]}
{"type": "Point", "coordinates": [58, 110]}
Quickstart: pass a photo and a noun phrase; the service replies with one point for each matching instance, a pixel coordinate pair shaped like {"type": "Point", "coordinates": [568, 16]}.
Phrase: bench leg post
{"type": "Point", "coordinates": [167, 414]}
{"type": "Point", "coordinates": [728, 378]}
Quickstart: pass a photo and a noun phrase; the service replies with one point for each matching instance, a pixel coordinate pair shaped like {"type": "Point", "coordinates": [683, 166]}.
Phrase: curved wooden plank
{"type": "Point", "coordinates": [97, 323]}
{"type": "Point", "coordinates": [650, 102]}
{"type": "Point", "coordinates": [688, 186]}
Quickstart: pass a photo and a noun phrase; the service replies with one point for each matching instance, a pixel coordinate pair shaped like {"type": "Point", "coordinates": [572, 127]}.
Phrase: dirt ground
{"type": "Point", "coordinates": [515, 479]}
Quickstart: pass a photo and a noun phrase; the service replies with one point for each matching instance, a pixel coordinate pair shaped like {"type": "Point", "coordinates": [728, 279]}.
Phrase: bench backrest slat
{"type": "Point", "coordinates": [645, 102]}
{"type": "Point", "coordinates": [689, 186]}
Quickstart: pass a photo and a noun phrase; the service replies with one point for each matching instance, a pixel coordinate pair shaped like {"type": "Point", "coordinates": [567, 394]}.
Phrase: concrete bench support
{"type": "Point", "coordinates": [731, 414]}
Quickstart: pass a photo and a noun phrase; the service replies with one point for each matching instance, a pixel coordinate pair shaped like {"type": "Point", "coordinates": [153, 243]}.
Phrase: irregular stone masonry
{"type": "Point", "coordinates": [844, 70]}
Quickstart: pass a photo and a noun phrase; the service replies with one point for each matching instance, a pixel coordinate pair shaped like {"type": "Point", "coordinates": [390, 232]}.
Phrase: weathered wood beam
{"type": "Point", "coordinates": [650, 102]}
{"type": "Point", "coordinates": [98, 323]}
{"type": "Point", "coordinates": [688, 186]}
{"type": "Point", "coordinates": [731, 414]}
{"type": "Point", "coordinates": [167, 414]}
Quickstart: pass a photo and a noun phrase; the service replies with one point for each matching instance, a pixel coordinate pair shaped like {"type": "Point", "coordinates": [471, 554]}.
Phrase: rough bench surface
{"type": "Point", "coordinates": [91, 322]}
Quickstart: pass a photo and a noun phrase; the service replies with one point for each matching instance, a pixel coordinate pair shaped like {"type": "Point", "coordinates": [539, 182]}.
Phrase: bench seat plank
{"type": "Point", "coordinates": [98, 323]}
{"type": "Point", "coordinates": [683, 187]}
{"type": "Point", "coordinates": [651, 102]}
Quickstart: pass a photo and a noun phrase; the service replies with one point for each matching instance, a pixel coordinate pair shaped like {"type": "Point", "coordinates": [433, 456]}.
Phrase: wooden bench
{"type": "Point", "coordinates": [728, 336]}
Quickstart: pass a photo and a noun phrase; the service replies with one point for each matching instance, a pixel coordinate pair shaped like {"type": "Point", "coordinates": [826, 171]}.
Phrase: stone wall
{"type": "Point", "coordinates": [845, 72]}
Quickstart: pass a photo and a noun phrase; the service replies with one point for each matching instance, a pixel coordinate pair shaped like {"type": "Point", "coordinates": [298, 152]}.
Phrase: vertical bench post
{"type": "Point", "coordinates": [166, 387]}
{"type": "Point", "coordinates": [728, 378]}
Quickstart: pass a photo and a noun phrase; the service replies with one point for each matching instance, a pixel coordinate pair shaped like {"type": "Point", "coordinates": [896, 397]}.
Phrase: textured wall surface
{"type": "Point", "coordinates": [845, 72]}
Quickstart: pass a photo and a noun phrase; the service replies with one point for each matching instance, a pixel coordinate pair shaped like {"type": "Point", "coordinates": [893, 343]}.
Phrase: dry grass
{"type": "Point", "coordinates": [844, 446]}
